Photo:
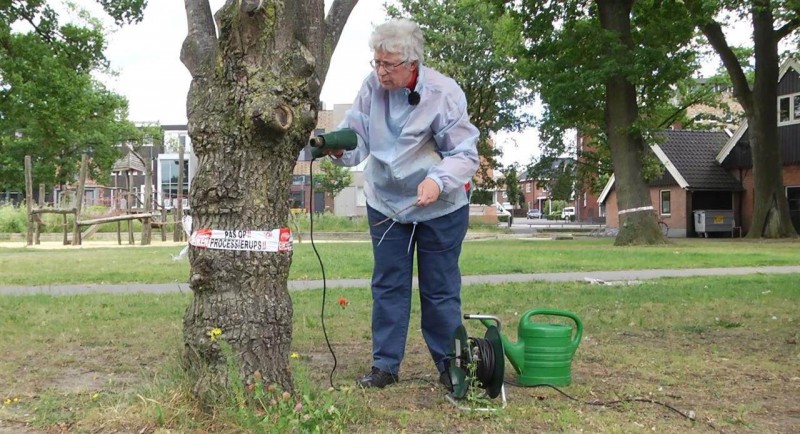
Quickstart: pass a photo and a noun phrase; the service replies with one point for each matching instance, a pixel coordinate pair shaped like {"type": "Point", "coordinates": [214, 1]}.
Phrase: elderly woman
{"type": "Point", "coordinates": [420, 150]}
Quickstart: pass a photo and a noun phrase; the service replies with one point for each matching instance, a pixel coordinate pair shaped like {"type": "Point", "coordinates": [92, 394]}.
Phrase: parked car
{"type": "Point", "coordinates": [568, 213]}
{"type": "Point", "coordinates": [534, 213]}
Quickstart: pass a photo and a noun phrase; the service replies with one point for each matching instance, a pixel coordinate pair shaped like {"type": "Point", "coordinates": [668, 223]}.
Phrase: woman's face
{"type": "Point", "coordinates": [392, 70]}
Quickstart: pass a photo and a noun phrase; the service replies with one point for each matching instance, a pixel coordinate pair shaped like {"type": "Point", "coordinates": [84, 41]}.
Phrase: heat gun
{"type": "Point", "coordinates": [344, 139]}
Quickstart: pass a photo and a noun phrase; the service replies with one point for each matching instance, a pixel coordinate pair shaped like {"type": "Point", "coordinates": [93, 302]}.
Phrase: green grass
{"type": "Point", "coordinates": [31, 267]}
{"type": "Point", "coordinates": [13, 221]}
{"type": "Point", "coordinates": [724, 348]}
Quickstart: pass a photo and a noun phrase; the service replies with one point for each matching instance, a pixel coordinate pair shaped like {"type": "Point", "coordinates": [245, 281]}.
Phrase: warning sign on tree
{"type": "Point", "coordinates": [276, 240]}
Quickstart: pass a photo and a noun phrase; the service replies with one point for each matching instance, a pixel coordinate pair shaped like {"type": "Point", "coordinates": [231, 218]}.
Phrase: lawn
{"type": "Point", "coordinates": [35, 267]}
{"type": "Point", "coordinates": [723, 350]}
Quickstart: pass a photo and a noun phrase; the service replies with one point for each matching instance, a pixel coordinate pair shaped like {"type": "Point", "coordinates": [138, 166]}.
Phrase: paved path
{"type": "Point", "coordinates": [608, 277]}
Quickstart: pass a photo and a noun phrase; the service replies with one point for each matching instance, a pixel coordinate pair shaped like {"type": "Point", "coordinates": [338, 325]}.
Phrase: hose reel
{"type": "Point", "coordinates": [477, 362]}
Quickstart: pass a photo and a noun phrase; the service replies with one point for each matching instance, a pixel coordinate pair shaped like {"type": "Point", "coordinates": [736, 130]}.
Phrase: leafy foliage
{"type": "Point", "coordinates": [51, 107]}
{"type": "Point", "coordinates": [481, 196]}
{"type": "Point", "coordinates": [571, 58]}
{"type": "Point", "coordinates": [513, 189]}
{"type": "Point", "coordinates": [333, 178]}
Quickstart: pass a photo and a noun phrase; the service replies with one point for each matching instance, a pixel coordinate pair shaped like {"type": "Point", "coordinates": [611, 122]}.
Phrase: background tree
{"type": "Point", "coordinates": [511, 183]}
{"type": "Point", "coordinates": [604, 67]}
{"type": "Point", "coordinates": [51, 106]}
{"type": "Point", "coordinates": [771, 23]}
{"type": "Point", "coordinates": [257, 69]}
{"type": "Point", "coordinates": [477, 43]}
{"type": "Point", "coordinates": [562, 183]}
{"type": "Point", "coordinates": [333, 178]}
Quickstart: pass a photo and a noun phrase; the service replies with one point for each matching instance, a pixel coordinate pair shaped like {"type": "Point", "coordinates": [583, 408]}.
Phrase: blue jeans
{"type": "Point", "coordinates": [438, 246]}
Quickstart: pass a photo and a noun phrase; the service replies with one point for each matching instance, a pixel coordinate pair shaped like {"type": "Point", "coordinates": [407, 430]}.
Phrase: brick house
{"type": "Point", "coordinates": [713, 170]}
{"type": "Point", "coordinates": [691, 181]}
{"type": "Point", "coordinates": [736, 157]}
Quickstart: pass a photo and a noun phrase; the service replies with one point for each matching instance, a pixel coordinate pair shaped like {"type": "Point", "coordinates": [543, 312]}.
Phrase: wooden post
{"type": "Point", "coordinates": [130, 206]}
{"type": "Point", "coordinates": [178, 233]}
{"type": "Point", "coordinates": [39, 223]}
{"type": "Point", "coordinates": [64, 228]}
{"type": "Point", "coordinates": [37, 229]}
{"type": "Point", "coordinates": [163, 224]}
{"type": "Point", "coordinates": [76, 232]}
{"type": "Point", "coordinates": [115, 194]}
{"type": "Point", "coordinates": [147, 228]}
{"type": "Point", "coordinates": [29, 198]}
{"type": "Point", "coordinates": [119, 233]}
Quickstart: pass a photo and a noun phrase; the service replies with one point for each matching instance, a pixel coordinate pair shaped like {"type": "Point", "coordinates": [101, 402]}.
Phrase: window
{"type": "Point", "coordinates": [789, 109]}
{"type": "Point", "coordinates": [528, 187]}
{"type": "Point", "coordinates": [169, 181]}
{"type": "Point", "coordinates": [298, 200]}
{"type": "Point", "coordinates": [665, 202]}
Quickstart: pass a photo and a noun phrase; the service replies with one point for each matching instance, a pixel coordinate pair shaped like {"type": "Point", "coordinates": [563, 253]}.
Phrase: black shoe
{"type": "Point", "coordinates": [377, 378]}
{"type": "Point", "coordinates": [444, 378]}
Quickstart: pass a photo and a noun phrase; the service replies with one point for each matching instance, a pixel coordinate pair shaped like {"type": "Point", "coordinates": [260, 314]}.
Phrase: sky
{"type": "Point", "coordinates": [146, 58]}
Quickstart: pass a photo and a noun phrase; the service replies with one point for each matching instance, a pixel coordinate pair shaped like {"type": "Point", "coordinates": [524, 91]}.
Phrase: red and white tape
{"type": "Point", "coordinates": [276, 240]}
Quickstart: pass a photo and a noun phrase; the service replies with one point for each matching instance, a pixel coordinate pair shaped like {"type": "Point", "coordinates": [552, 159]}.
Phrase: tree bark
{"type": "Point", "coordinates": [771, 217]}
{"type": "Point", "coordinates": [252, 105]}
{"type": "Point", "coordinates": [637, 222]}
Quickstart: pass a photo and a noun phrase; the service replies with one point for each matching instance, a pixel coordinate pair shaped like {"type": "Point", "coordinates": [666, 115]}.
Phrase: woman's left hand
{"type": "Point", "coordinates": [427, 192]}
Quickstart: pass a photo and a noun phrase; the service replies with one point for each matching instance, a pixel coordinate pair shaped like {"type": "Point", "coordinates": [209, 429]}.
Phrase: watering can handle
{"type": "Point", "coordinates": [557, 312]}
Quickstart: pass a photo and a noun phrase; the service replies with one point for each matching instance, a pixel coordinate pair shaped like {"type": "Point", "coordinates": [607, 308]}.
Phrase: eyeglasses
{"type": "Point", "coordinates": [388, 67]}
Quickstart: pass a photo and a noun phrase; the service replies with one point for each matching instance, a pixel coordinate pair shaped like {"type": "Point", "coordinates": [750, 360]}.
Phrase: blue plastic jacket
{"type": "Point", "coordinates": [403, 144]}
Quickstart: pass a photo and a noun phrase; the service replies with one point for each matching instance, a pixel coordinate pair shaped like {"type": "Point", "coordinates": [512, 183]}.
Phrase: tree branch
{"type": "Point", "coordinates": [45, 33]}
{"type": "Point", "coordinates": [787, 28]}
{"type": "Point", "coordinates": [334, 24]}
{"type": "Point", "coordinates": [674, 115]}
{"type": "Point", "coordinates": [713, 32]}
{"type": "Point", "coordinates": [200, 46]}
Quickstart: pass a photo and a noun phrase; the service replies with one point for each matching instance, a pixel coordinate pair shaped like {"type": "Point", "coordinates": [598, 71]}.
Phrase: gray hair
{"type": "Point", "coordinates": [399, 35]}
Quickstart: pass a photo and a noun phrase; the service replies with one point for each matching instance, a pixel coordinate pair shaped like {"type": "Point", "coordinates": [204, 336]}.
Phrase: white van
{"type": "Point", "coordinates": [568, 213]}
{"type": "Point", "coordinates": [501, 210]}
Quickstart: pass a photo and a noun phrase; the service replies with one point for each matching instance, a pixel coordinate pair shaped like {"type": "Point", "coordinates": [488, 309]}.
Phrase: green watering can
{"type": "Point", "coordinates": [543, 353]}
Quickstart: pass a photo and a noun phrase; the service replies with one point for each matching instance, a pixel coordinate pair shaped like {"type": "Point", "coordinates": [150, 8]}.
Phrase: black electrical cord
{"type": "Point", "coordinates": [322, 267]}
{"type": "Point", "coordinates": [613, 402]}
{"type": "Point", "coordinates": [484, 370]}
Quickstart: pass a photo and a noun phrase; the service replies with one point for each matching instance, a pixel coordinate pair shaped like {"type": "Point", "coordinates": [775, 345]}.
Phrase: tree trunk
{"type": "Point", "coordinates": [252, 105]}
{"type": "Point", "coordinates": [637, 222]}
{"type": "Point", "coordinates": [771, 218]}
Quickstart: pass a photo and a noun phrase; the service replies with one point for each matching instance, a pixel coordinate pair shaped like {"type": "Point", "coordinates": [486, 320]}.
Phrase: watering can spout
{"type": "Point", "coordinates": [514, 351]}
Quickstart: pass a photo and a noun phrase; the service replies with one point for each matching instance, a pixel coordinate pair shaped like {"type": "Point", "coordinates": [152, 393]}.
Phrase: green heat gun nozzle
{"type": "Point", "coordinates": [344, 139]}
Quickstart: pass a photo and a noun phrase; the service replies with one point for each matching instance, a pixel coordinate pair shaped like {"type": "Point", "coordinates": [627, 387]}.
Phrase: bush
{"type": "Point", "coordinates": [13, 219]}
{"type": "Point", "coordinates": [327, 222]}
